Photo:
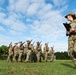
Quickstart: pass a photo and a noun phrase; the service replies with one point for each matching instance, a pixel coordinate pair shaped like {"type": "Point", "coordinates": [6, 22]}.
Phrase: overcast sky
{"type": "Point", "coordinates": [40, 20]}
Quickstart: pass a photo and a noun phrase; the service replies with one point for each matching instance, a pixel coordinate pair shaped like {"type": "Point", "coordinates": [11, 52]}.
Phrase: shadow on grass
{"type": "Point", "coordinates": [68, 65]}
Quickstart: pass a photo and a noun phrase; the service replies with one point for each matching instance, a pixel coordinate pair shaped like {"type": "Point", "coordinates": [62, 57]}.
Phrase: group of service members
{"type": "Point", "coordinates": [22, 52]}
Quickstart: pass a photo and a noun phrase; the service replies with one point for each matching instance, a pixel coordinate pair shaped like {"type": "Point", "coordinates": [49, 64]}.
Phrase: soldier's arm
{"type": "Point", "coordinates": [31, 40]}
{"type": "Point", "coordinates": [73, 28]}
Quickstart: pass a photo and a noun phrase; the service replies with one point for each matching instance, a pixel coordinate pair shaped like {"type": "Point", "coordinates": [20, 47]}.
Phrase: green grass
{"type": "Point", "coordinates": [58, 67]}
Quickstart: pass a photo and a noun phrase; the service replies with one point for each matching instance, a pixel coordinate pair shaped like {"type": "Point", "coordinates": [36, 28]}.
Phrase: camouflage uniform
{"type": "Point", "coordinates": [21, 49]}
{"type": "Point", "coordinates": [72, 40]}
{"type": "Point", "coordinates": [10, 53]}
{"type": "Point", "coordinates": [39, 52]}
{"type": "Point", "coordinates": [25, 51]}
{"type": "Point", "coordinates": [28, 51]}
{"type": "Point", "coordinates": [72, 43]}
{"type": "Point", "coordinates": [46, 49]}
{"type": "Point", "coordinates": [51, 54]}
{"type": "Point", "coordinates": [16, 52]}
{"type": "Point", "coordinates": [33, 57]}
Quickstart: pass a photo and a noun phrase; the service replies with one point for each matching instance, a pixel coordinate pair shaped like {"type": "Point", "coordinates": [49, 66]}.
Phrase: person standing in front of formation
{"type": "Point", "coordinates": [72, 36]}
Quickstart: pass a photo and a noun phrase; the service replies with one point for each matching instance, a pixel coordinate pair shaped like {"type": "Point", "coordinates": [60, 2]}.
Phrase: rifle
{"type": "Point", "coordinates": [31, 40]}
{"type": "Point", "coordinates": [22, 44]}
{"type": "Point", "coordinates": [10, 43]}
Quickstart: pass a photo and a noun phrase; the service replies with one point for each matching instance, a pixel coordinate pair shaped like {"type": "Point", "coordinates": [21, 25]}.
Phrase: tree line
{"type": "Point", "coordinates": [59, 55]}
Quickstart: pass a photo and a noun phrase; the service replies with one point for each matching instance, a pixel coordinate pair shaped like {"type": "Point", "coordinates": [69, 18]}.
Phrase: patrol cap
{"type": "Point", "coordinates": [46, 43]}
{"type": "Point", "coordinates": [20, 42]}
{"type": "Point", "coordinates": [16, 43]}
{"type": "Point", "coordinates": [38, 42]}
{"type": "Point", "coordinates": [28, 40]}
{"type": "Point", "coordinates": [71, 13]}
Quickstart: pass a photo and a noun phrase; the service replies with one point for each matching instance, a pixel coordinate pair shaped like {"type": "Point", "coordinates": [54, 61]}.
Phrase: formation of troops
{"type": "Point", "coordinates": [29, 52]}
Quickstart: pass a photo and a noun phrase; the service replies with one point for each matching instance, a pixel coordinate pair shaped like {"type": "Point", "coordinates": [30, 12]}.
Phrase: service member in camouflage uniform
{"type": "Point", "coordinates": [51, 54]}
{"type": "Point", "coordinates": [16, 52]}
{"type": "Point", "coordinates": [25, 51]}
{"type": "Point", "coordinates": [21, 50]}
{"type": "Point", "coordinates": [39, 52]}
{"type": "Point", "coordinates": [46, 49]}
{"type": "Point", "coordinates": [33, 57]}
{"type": "Point", "coordinates": [28, 51]}
{"type": "Point", "coordinates": [72, 36]}
{"type": "Point", "coordinates": [10, 53]}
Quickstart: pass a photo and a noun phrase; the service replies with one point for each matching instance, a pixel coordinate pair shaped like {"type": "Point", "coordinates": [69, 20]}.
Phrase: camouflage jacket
{"type": "Point", "coordinates": [72, 35]}
{"type": "Point", "coordinates": [46, 49]}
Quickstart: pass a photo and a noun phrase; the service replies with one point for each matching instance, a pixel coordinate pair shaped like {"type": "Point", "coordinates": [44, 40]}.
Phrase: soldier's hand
{"type": "Point", "coordinates": [72, 30]}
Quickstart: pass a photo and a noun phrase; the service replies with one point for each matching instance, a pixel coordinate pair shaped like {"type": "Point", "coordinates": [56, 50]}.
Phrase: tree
{"type": "Point", "coordinates": [62, 55]}
{"type": "Point", "coordinates": [0, 50]}
{"type": "Point", "coordinates": [3, 49]}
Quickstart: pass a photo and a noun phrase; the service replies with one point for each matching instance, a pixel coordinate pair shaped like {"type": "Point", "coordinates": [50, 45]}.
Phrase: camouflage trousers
{"type": "Point", "coordinates": [33, 57]}
{"type": "Point", "coordinates": [20, 55]}
{"type": "Point", "coordinates": [25, 53]}
{"type": "Point", "coordinates": [28, 55]}
{"type": "Point", "coordinates": [72, 48]}
{"type": "Point", "coordinates": [46, 56]}
{"type": "Point", "coordinates": [52, 57]}
{"type": "Point", "coordinates": [38, 56]}
{"type": "Point", "coordinates": [10, 57]}
{"type": "Point", "coordinates": [15, 57]}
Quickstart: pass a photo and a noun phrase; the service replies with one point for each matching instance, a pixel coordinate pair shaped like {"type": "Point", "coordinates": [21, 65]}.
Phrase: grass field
{"type": "Point", "coordinates": [58, 67]}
